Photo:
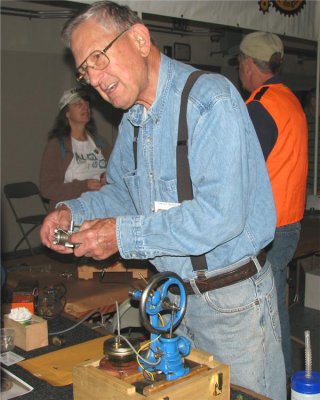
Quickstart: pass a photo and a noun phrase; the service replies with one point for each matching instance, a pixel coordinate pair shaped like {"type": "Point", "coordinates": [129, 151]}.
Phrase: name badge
{"type": "Point", "coordinates": [162, 205]}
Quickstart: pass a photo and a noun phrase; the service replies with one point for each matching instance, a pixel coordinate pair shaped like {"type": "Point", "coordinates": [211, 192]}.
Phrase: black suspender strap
{"type": "Point", "coordinates": [135, 145]}
{"type": "Point", "coordinates": [183, 170]}
{"type": "Point", "coordinates": [184, 183]}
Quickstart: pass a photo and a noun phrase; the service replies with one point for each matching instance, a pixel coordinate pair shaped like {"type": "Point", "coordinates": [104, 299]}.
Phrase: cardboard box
{"type": "Point", "coordinates": [312, 294]}
{"type": "Point", "coordinates": [29, 337]}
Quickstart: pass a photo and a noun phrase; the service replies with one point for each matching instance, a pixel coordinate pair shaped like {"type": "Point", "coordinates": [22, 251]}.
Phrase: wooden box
{"type": "Point", "coordinates": [31, 336]}
{"type": "Point", "coordinates": [211, 380]}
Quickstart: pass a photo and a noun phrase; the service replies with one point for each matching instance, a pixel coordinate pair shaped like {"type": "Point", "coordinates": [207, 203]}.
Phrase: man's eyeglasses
{"type": "Point", "coordinates": [98, 60]}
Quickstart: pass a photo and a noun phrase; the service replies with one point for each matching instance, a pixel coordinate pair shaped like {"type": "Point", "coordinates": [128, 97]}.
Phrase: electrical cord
{"type": "Point", "coordinates": [78, 323]}
{"type": "Point", "coordinates": [137, 353]}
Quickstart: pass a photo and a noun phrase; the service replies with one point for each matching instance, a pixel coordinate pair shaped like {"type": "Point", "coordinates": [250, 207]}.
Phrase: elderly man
{"type": "Point", "coordinates": [232, 308]}
{"type": "Point", "coordinates": [281, 127]}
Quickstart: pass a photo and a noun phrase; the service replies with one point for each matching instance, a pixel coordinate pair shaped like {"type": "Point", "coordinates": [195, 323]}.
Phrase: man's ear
{"type": "Point", "coordinates": [250, 67]}
{"type": "Point", "coordinates": [249, 62]}
{"type": "Point", "coordinates": [141, 38]}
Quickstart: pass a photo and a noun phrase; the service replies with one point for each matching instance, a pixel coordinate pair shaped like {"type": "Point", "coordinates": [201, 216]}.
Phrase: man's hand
{"type": "Point", "coordinates": [96, 238]}
{"type": "Point", "coordinates": [58, 218]}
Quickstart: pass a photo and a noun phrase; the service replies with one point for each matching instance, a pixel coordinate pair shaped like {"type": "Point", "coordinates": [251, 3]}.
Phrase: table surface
{"type": "Point", "coordinates": [82, 296]}
{"type": "Point", "coordinates": [42, 390]}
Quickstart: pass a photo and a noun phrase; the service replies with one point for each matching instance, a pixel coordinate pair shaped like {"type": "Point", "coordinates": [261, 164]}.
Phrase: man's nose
{"type": "Point", "coordinates": [94, 76]}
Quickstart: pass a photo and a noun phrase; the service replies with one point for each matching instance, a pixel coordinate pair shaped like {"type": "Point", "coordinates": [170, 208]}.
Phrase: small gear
{"type": "Point", "coordinates": [286, 7]}
{"type": "Point", "coordinates": [264, 5]}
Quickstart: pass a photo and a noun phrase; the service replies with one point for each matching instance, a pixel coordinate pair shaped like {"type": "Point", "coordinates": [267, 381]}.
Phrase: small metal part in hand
{"type": "Point", "coordinates": [61, 237]}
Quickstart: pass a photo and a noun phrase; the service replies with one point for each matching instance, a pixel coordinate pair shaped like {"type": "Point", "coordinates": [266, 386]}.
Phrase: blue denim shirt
{"type": "Point", "coordinates": [232, 215]}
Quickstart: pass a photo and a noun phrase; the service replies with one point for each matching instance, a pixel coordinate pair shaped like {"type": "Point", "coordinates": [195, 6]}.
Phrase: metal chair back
{"type": "Point", "coordinates": [23, 190]}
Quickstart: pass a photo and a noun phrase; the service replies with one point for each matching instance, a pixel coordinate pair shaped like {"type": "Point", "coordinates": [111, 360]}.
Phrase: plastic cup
{"type": "Point", "coordinates": [7, 336]}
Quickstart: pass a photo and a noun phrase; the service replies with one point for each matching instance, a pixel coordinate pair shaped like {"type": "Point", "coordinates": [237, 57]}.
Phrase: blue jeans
{"type": "Point", "coordinates": [280, 253]}
{"type": "Point", "coordinates": [239, 325]}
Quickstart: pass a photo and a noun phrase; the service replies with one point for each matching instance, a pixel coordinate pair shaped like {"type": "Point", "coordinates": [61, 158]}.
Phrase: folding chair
{"type": "Point", "coordinates": [23, 190]}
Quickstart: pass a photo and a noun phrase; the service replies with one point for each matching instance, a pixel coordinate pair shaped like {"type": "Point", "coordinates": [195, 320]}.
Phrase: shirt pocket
{"type": "Point", "coordinates": [133, 183]}
{"type": "Point", "coordinates": [167, 190]}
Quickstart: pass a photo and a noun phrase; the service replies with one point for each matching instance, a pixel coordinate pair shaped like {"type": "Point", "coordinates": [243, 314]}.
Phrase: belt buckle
{"type": "Point", "coordinates": [201, 275]}
{"type": "Point", "coordinates": [201, 281]}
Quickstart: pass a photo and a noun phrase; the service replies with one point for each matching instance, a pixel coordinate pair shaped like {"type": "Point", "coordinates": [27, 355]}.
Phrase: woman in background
{"type": "Point", "coordinates": [74, 160]}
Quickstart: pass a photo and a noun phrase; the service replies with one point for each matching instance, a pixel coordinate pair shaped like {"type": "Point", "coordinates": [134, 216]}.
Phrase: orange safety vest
{"type": "Point", "coordinates": [287, 163]}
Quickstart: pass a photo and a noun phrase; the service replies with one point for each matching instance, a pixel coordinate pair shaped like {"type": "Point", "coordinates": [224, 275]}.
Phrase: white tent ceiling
{"type": "Point", "coordinates": [241, 14]}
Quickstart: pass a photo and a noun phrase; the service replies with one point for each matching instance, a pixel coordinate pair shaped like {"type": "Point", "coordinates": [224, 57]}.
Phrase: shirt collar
{"type": "Point", "coordinates": [275, 79]}
{"type": "Point", "coordinates": [136, 113]}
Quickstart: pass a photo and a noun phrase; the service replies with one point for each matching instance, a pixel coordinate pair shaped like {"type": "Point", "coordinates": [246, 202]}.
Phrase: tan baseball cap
{"type": "Point", "coordinates": [261, 45]}
{"type": "Point", "coordinates": [71, 96]}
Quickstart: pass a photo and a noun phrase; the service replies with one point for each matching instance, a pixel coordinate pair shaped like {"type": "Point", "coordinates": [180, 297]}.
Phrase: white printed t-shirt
{"type": "Point", "coordinates": [87, 163]}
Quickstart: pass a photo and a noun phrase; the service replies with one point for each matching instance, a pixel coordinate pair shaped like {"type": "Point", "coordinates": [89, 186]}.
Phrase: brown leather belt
{"type": "Point", "coordinates": [225, 279]}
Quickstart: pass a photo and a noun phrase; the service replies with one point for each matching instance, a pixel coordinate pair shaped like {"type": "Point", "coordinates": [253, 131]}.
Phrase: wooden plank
{"type": "Point", "coordinates": [200, 356]}
{"type": "Point", "coordinates": [56, 367]}
{"type": "Point", "coordinates": [133, 376]}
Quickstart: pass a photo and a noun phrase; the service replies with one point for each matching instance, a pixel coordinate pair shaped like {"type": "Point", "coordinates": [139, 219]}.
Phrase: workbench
{"type": "Point", "coordinates": [42, 390]}
{"type": "Point", "coordinates": [82, 296]}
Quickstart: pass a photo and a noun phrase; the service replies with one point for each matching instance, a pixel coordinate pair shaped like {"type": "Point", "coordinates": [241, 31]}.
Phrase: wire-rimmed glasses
{"type": "Point", "coordinates": [98, 60]}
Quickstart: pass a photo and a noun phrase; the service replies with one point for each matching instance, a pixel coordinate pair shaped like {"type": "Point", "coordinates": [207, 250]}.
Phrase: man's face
{"type": "Point", "coordinates": [124, 80]}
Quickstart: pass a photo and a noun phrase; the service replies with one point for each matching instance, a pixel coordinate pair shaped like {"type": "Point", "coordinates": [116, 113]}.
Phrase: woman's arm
{"type": "Point", "coordinates": [52, 172]}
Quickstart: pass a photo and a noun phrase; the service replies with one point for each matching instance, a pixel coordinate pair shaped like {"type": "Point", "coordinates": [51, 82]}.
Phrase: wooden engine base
{"type": "Point", "coordinates": [207, 380]}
